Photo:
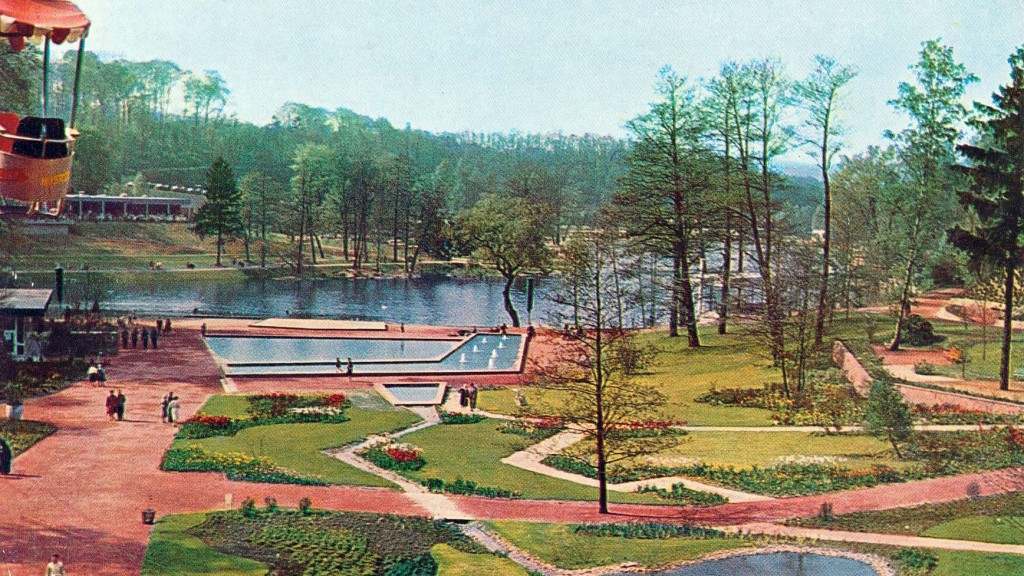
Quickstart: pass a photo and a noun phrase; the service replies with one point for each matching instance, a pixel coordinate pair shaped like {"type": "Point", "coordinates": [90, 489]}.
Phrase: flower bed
{"type": "Point", "coordinates": [824, 402]}
{"type": "Point", "coordinates": [234, 465]}
{"type": "Point", "coordinates": [467, 487]}
{"type": "Point", "coordinates": [647, 429]}
{"type": "Point", "coordinates": [459, 418]}
{"type": "Point", "coordinates": [388, 456]}
{"type": "Point", "coordinates": [534, 428]}
{"type": "Point", "coordinates": [647, 531]}
{"type": "Point", "coordinates": [955, 414]}
{"type": "Point", "coordinates": [684, 495]}
{"type": "Point", "coordinates": [267, 409]}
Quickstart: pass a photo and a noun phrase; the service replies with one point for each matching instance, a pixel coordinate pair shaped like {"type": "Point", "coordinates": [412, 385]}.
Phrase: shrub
{"type": "Point", "coordinates": [459, 418]}
{"type": "Point", "coordinates": [647, 531]}
{"type": "Point", "coordinates": [684, 495]}
{"type": "Point", "coordinates": [917, 558]}
{"type": "Point", "coordinates": [467, 487]}
{"type": "Point", "coordinates": [305, 505]}
{"type": "Point", "coordinates": [249, 507]}
{"type": "Point", "coordinates": [924, 369]}
{"type": "Point", "coordinates": [919, 332]}
{"type": "Point", "coordinates": [271, 503]}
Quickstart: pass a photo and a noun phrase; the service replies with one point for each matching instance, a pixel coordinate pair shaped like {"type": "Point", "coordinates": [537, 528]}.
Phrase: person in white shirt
{"type": "Point", "coordinates": [55, 567]}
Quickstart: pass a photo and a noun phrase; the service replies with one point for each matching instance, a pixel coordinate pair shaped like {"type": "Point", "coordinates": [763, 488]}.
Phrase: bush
{"type": "Point", "coordinates": [917, 558]}
{"type": "Point", "coordinates": [647, 531]}
{"type": "Point", "coordinates": [919, 332]}
{"type": "Point", "coordinates": [305, 505]}
{"type": "Point", "coordinates": [271, 503]}
{"type": "Point", "coordinates": [467, 487]}
{"type": "Point", "coordinates": [249, 507]}
{"type": "Point", "coordinates": [459, 418]}
{"type": "Point", "coordinates": [924, 369]}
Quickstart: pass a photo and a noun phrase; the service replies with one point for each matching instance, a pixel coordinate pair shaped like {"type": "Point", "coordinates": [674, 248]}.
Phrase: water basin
{"type": "Point", "coordinates": [419, 394]}
{"type": "Point", "coordinates": [772, 564]}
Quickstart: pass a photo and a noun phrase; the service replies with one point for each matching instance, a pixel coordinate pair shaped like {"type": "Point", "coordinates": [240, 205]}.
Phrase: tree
{"type": "Point", "coordinates": [220, 216]}
{"type": "Point", "coordinates": [259, 196]}
{"type": "Point", "coordinates": [819, 95]}
{"type": "Point", "coordinates": [508, 234]}
{"type": "Point", "coordinates": [887, 416]}
{"type": "Point", "coordinates": [996, 197]}
{"type": "Point", "coordinates": [924, 205]}
{"type": "Point", "coordinates": [593, 371]}
{"type": "Point", "coordinates": [20, 71]}
{"type": "Point", "coordinates": [664, 197]}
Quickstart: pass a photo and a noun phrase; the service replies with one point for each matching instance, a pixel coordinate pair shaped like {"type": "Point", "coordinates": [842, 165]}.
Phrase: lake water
{"type": "Point", "coordinates": [427, 300]}
{"type": "Point", "coordinates": [773, 564]}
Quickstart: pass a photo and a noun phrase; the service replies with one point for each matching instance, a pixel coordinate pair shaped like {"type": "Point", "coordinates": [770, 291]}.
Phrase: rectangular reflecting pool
{"type": "Point", "coordinates": [259, 356]}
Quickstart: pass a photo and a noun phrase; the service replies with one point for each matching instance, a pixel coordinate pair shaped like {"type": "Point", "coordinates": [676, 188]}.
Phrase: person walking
{"type": "Point", "coordinates": [121, 401]}
{"type": "Point", "coordinates": [167, 326]}
{"type": "Point", "coordinates": [159, 324]}
{"type": "Point", "coordinates": [153, 335]}
{"type": "Point", "coordinates": [112, 405]}
{"type": "Point", "coordinates": [101, 374]}
{"type": "Point", "coordinates": [55, 567]}
{"type": "Point", "coordinates": [349, 369]}
{"type": "Point", "coordinates": [472, 397]}
{"type": "Point", "coordinates": [172, 409]}
{"type": "Point", "coordinates": [145, 338]}
{"type": "Point", "coordinates": [202, 330]}
{"type": "Point", "coordinates": [124, 338]}
{"type": "Point", "coordinates": [164, 402]}
{"type": "Point", "coordinates": [463, 396]}
{"type": "Point", "coordinates": [135, 336]}
{"type": "Point", "coordinates": [6, 457]}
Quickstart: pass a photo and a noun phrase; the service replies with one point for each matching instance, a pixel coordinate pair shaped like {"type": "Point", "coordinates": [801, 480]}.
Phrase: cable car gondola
{"type": "Point", "coordinates": [36, 151]}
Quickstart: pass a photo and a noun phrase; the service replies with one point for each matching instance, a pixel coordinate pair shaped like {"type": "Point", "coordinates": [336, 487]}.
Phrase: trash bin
{"type": "Point", "coordinates": [148, 516]}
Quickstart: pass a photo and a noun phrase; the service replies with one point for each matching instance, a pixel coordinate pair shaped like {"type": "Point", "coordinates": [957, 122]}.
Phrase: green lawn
{"type": "Point", "coordinates": [997, 529]}
{"type": "Point", "coordinates": [226, 405]}
{"type": "Point", "coordinates": [452, 562]}
{"type": "Point", "coordinates": [558, 545]}
{"type": "Point", "coordinates": [682, 374]}
{"type": "Point", "coordinates": [953, 563]}
{"type": "Point", "coordinates": [298, 446]}
{"type": "Point", "coordinates": [172, 552]}
{"type": "Point", "coordinates": [744, 450]}
{"type": "Point", "coordinates": [473, 452]}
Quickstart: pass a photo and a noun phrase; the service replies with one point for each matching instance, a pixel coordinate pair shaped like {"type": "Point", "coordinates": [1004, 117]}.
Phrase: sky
{"type": "Point", "coordinates": [543, 66]}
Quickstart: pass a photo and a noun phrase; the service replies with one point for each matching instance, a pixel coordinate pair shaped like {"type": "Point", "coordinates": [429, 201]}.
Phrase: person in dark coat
{"type": "Point", "coordinates": [349, 369]}
{"type": "Point", "coordinates": [124, 338]}
{"type": "Point", "coordinates": [167, 326]}
{"type": "Point", "coordinates": [145, 338]}
{"type": "Point", "coordinates": [112, 405]}
{"type": "Point", "coordinates": [159, 324]}
{"type": "Point", "coordinates": [121, 401]}
{"type": "Point", "coordinates": [153, 335]}
{"type": "Point", "coordinates": [135, 336]}
{"type": "Point", "coordinates": [472, 396]}
{"type": "Point", "coordinates": [6, 457]}
{"type": "Point", "coordinates": [463, 397]}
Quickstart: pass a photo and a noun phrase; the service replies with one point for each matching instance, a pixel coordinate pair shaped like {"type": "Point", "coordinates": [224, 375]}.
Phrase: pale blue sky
{"type": "Point", "coordinates": [537, 66]}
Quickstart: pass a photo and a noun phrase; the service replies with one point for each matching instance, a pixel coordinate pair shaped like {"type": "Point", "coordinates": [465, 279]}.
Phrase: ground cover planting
{"type": "Point", "coordinates": [20, 435]}
{"type": "Point", "coordinates": [309, 542]}
{"type": "Point", "coordinates": [579, 546]}
{"type": "Point", "coordinates": [290, 451]}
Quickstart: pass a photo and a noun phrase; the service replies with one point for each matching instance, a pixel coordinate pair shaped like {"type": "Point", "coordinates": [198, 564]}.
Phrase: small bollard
{"type": "Point", "coordinates": [148, 516]}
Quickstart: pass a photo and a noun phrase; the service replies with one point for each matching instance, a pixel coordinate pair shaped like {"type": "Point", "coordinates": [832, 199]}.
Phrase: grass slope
{"type": "Point", "coordinates": [172, 552]}
{"type": "Point", "coordinates": [452, 562]}
{"type": "Point", "coordinates": [558, 545]}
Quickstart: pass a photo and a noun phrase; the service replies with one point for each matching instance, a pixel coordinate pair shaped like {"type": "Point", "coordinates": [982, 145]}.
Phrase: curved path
{"type": "Point", "coordinates": [80, 492]}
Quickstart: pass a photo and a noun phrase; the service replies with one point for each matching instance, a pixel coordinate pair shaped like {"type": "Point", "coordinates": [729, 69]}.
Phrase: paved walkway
{"type": "Point", "coordinates": [884, 539]}
{"type": "Point", "coordinates": [81, 491]}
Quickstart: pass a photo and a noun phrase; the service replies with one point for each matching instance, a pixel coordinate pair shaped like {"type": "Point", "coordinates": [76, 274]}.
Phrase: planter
{"type": "Point", "coordinates": [148, 516]}
{"type": "Point", "coordinates": [14, 412]}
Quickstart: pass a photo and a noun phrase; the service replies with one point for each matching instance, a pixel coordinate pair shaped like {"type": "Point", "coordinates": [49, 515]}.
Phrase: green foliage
{"type": "Point", "coordinates": [920, 332]}
{"type": "Point", "coordinates": [221, 215]}
{"type": "Point", "coordinates": [917, 558]}
{"type": "Point", "coordinates": [459, 418]}
{"type": "Point", "coordinates": [887, 416]}
{"type": "Point", "coordinates": [236, 466]}
{"type": "Point", "coordinates": [924, 368]}
{"type": "Point", "coordinates": [647, 531]}
{"type": "Point", "coordinates": [394, 457]}
{"type": "Point", "coordinates": [683, 495]}
{"type": "Point", "coordinates": [467, 487]}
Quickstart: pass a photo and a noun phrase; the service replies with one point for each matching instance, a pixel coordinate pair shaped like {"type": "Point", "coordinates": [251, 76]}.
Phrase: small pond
{"type": "Point", "coordinates": [414, 394]}
{"type": "Point", "coordinates": [772, 564]}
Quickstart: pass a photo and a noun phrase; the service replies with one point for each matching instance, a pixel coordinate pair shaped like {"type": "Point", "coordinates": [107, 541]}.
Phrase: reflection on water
{"type": "Point", "coordinates": [773, 564]}
{"type": "Point", "coordinates": [427, 300]}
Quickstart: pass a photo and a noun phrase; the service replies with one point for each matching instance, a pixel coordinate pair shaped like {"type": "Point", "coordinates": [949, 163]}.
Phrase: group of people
{"type": "Point", "coordinates": [349, 367]}
{"type": "Point", "coordinates": [115, 405]}
{"type": "Point", "coordinates": [95, 372]}
{"type": "Point", "coordinates": [149, 335]}
{"type": "Point", "coordinates": [467, 396]}
{"type": "Point", "coordinates": [169, 407]}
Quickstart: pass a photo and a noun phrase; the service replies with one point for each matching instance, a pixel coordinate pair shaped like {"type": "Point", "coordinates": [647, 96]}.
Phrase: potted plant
{"type": "Point", "coordinates": [13, 395]}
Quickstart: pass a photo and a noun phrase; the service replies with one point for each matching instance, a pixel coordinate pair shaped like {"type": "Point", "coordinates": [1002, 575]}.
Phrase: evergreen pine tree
{"type": "Point", "coordinates": [221, 215]}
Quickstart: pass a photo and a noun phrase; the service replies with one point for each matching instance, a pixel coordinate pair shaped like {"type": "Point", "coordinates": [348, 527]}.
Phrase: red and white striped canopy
{"type": "Point", "coordinates": [34, 20]}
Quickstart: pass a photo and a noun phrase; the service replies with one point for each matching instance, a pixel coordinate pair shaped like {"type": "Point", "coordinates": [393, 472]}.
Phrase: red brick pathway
{"type": "Point", "coordinates": [80, 492]}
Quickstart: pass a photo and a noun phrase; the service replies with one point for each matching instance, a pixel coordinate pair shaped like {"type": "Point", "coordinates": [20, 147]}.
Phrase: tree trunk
{"type": "Point", "coordinates": [723, 308]}
{"type": "Point", "coordinates": [905, 296]}
{"type": "Point", "coordinates": [819, 326]}
{"type": "Point", "coordinates": [673, 310]}
{"type": "Point", "coordinates": [1004, 359]}
{"type": "Point", "coordinates": [506, 294]}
